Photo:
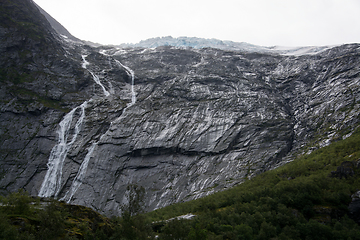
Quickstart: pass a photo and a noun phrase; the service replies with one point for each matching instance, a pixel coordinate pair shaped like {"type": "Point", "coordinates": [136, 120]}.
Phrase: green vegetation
{"type": "Point", "coordinates": [20, 15]}
{"type": "Point", "coordinates": [27, 97]}
{"type": "Point", "coordinates": [25, 217]}
{"type": "Point", "coordinates": [30, 51]}
{"type": "Point", "coordinates": [301, 200]}
{"type": "Point", "coordinates": [305, 199]}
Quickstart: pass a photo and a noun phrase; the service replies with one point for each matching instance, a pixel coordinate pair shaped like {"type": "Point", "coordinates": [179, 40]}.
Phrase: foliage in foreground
{"type": "Point", "coordinates": [305, 199]}
{"type": "Point", "coordinates": [301, 200]}
{"type": "Point", "coordinates": [25, 217]}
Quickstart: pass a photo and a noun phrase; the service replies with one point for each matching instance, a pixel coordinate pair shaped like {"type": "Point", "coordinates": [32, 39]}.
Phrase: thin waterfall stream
{"type": "Point", "coordinates": [131, 73]}
{"type": "Point", "coordinates": [95, 77]}
{"type": "Point", "coordinates": [51, 185]}
{"type": "Point", "coordinates": [80, 176]}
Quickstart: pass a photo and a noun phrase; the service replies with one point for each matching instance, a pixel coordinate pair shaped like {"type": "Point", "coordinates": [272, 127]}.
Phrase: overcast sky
{"type": "Point", "coordinates": [260, 22]}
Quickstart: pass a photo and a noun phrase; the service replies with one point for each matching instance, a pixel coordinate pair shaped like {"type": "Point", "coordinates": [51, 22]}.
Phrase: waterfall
{"type": "Point", "coordinates": [128, 70]}
{"type": "Point", "coordinates": [85, 63]}
{"type": "Point", "coordinates": [51, 184]}
{"type": "Point", "coordinates": [83, 167]}
{"type": "Point", "coordinates": [80, 175]}
{"type": "Point", "coordinates": [95, 77]}
{"type": "Point", "coordinates": [131, 73]}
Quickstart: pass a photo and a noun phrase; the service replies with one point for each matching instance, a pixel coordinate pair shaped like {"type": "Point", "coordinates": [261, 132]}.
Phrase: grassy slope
{"type": "Point", "coordinates": [24, 217]}
{"type": "Point", "coordinates": [297, 201]}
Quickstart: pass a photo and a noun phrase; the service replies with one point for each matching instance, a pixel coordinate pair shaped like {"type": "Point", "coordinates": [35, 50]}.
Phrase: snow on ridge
{"type": "Point", "coordinates": [198, 43]}
{"type": "Point", "coordinates": [298, 51]}
{"type": "Point", "coordinates": [193, 42]}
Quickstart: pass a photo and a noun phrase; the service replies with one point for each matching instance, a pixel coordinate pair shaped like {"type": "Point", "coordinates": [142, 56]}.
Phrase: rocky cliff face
{"type": "Point", "coordinates": [81, 123]}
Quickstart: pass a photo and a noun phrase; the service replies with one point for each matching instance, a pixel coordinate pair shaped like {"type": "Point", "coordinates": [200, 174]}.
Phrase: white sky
{"type": "Point", "coordinates": [260, 22]}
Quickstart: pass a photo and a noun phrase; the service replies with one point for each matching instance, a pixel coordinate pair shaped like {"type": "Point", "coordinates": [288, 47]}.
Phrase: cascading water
{"type": "Point", "coordinates": [131, 73]}
{"type": "Point", "coordinates": [95, 77]}
{"type": "Point", "coordinates": [51, 185]}
{"type": "Point", "coordinates": [80, 176]}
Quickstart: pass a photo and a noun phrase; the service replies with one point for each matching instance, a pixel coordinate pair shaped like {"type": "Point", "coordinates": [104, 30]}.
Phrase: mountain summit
{"type": "Point", "coordinates": [199, 43]}
{"type": "Point", "coordinates": [81, 123]}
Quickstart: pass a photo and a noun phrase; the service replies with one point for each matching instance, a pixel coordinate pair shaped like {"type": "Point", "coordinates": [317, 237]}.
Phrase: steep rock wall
{"type": "Point", "coordinates": [180, 122]}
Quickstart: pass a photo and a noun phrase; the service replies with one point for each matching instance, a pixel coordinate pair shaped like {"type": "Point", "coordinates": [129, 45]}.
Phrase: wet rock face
{"type": "Point", "coordinates": [39, 81]}
{"type": "Point", "coordinates": [203, 119]}
{"type": "Point", "coordinates": [206, 119]}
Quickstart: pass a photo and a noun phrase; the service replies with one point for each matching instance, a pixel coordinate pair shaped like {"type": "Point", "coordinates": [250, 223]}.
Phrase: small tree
{"type": "Point", "coordinates": [19, 202]}
{"type": "Point", "coordinates": [135, 197]}
{"type": "Point", "coordinates": [133, 224]}
{"type": "Point", "coordinates": [52, 222]}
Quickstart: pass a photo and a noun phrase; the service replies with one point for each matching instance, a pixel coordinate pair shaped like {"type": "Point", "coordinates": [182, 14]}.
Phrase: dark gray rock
{"type": "Point", "coordinates": [345, 170]}
{"type": "Point", "coordinates": [203, 120]}
{"type": "Point", "coordinates": [354, 207]}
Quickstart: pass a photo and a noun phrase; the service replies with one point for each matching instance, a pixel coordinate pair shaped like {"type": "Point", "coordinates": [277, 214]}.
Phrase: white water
{"type": "Point", "coordinates": [131, 73]}
{"type": "Point", "coordinates": [51, 184]}
{"type": "Point", "coordinates": [80, 176]}
{"type": "Point", "coordinates": [85, 63]}
{"type": "Point", "coordinates": [95, 77]}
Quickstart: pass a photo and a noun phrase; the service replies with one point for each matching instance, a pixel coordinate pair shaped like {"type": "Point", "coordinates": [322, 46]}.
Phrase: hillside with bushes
{"type": "Point", "coordinates": [313, 197]}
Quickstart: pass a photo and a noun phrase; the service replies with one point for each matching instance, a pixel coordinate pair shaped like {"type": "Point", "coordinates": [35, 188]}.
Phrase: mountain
{"type": "Point", "coordinates": [60, 29]}
{"type": "Point", "coordinates": [310, 198]}
{"type": "Point", "coordinates": [198, 43]}
{"type": "Point", "coordinates": [193, 42]}
{"type": "Point", "coordinates": [80, 123]}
